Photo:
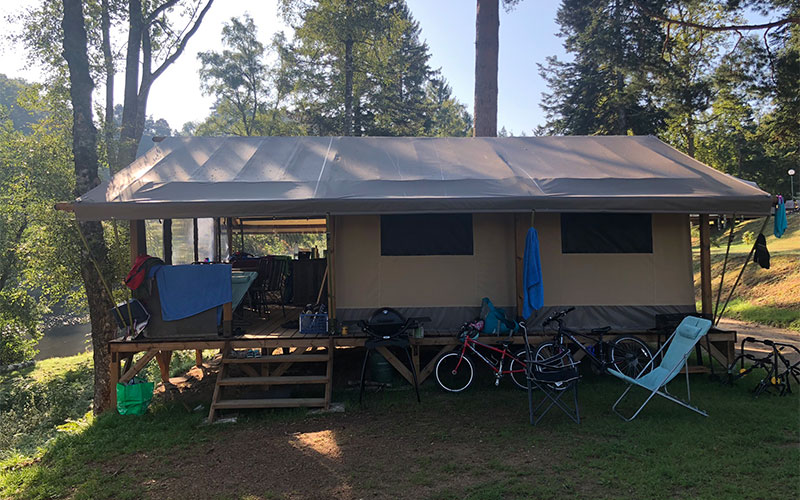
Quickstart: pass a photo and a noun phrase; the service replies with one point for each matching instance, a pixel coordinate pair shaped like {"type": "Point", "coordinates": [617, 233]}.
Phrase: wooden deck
{"type": "Point", "coordinates": [272, 337]}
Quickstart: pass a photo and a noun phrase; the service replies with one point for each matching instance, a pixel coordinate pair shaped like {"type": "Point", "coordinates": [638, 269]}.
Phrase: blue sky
{"type": "Point", "coordinates": [527, 37]}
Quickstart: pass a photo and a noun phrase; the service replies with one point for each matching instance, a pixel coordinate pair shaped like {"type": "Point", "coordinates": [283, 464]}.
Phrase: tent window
{"type": "Point", "coordinates": [606, 233]}
{"type": "Point", "coordinates": [426, 234]}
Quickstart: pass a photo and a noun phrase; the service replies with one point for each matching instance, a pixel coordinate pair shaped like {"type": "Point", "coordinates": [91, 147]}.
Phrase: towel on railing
{"type": "Point", "coordinates": [533, 299]}
{"type": "Point", "coordinates": [189, 290]}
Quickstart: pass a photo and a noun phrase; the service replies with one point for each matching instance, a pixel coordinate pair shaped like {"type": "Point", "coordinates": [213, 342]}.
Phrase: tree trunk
{"type": "Point", "coordinates": [84, 149]}
{"type": "Point", "coordinates": [487, 26]}
{"type": "Point", "coordinates": [128, 140]}
{"type": "Point", "coordinates": [108, 62]}
{"type": "Point", "coordinates": [348, 79]}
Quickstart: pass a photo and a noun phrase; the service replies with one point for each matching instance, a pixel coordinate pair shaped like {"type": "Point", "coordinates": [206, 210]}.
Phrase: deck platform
{"type": "Point", "coordinates": [270, 335]}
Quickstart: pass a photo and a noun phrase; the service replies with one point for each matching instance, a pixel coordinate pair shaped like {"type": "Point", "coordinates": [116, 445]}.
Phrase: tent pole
{"type": "Point", "coordinates": [705, 274]}
{"type": "Point", "coordinates": [724, 266]}
{"type": "Point", "coordinates": [229, 234]}
{"type": "Point", "coordinates": [217, 238]}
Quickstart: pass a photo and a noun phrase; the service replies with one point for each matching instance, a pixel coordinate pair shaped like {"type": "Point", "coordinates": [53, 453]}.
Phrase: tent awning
{"type": "Point", "coordinates": [186, 177]}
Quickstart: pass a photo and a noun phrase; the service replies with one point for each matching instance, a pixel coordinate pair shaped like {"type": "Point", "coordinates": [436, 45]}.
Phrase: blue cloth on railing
{"type": "Point", "coordinates": [533, 299]}
{"type": "Point", "coordinates": [189, 290]}
{"type": "Point", "coordinates": [780, 218]}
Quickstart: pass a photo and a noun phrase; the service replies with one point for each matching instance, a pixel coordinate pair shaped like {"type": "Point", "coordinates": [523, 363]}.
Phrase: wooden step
{"type": "Point", "coordinates": [282, 380]}
{"type": "Point", "coordinates": [696, 369]}
{"type": "Point", "coordinates": [281, 358]}
{"type": "Point", "coordinates": [231, 404]}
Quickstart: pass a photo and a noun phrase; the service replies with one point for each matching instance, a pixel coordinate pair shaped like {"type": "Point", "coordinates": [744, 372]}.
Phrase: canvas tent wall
{"type": "Point", "coordinates": [624, 290]}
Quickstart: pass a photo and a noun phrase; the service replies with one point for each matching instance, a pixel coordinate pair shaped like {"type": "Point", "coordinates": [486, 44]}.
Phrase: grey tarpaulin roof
{"type": "Point", "coordinates": [252, 176]}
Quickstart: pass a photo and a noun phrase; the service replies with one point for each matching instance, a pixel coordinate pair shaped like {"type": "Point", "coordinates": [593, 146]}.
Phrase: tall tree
{"type": "Point", "coordinates": [84, 149]}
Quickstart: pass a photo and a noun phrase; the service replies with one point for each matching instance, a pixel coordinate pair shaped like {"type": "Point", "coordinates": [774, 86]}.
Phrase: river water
{"type": "Point", "coordinates": [65, 340]}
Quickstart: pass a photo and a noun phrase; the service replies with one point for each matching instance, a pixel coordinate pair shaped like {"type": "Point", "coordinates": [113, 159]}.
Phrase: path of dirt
{"type": "Point", "coordinates": [744, 329]}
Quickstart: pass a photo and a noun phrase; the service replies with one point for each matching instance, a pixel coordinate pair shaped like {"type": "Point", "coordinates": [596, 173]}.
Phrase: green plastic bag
{"type": "Point", "coordinates": [134, 399]}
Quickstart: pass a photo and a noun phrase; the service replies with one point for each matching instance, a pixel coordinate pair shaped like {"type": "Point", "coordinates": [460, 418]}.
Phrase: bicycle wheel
{"type": "Point", "coordinates": [517, 369]}
{"type": "Point", "coordinates": [454, 372]}
{"type": "Point", "coordinates": [630, 355]}
{"type": "Point", "coordinates": [559, 355]}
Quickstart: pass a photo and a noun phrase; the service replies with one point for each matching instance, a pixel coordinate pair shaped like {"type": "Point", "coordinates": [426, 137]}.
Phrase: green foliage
{"type": "Point", "coordinates": [36, 401]}
{"type": "Point", "coordinates": [392, 89]}
{"type": "Point", "coordinates": [749, 237]}
{"type": "Point", "coordinates": [37, 244]}
{"type": "Point", "coordinates": [727, 99]}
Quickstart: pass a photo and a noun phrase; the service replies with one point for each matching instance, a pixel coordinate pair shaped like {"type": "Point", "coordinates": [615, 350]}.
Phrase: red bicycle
{"type": "Point", "coordinates": [455, 371]}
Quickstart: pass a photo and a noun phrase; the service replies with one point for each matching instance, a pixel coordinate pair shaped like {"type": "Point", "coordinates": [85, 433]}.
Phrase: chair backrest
{"type": "Point", "coordinates": [688, 333]}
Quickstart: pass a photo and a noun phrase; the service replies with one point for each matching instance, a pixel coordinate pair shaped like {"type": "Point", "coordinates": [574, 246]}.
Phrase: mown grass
{"type": "Point", "coordinates": [475, 445]}
{"type": "Point", "coordinates": [766, 296]}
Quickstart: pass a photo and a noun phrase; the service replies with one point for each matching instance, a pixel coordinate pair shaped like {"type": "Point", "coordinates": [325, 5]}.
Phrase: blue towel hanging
{"type": "Point", "coordinates": [533, 299]}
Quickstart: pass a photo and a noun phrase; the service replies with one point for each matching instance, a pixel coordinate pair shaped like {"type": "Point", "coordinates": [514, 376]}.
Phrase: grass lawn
{"type": "Point", "coordinates": [766, 296]}
{"type": "Point", "coordinates": [476, 445]}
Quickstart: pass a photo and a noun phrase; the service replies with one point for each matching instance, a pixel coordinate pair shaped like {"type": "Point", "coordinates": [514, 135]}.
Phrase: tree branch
{"type": "Point", "coordinates": [728, 27]}
{"type": "Point", "coordinates": [161, 8]}
{"type": "Point", "coordinates": [182, 45]}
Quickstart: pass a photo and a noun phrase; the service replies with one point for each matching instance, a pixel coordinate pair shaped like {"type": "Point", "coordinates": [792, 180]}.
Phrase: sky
{"type": "Point", "coordinates": [527, 37]}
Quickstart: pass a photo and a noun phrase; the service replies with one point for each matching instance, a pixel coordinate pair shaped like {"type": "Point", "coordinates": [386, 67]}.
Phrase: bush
{"type": "Point", "coordinates": [749, 237]}
{"type": "Point", "coordinates": [19, 326]}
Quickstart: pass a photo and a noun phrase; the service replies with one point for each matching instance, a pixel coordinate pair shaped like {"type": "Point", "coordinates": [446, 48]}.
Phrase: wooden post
{"type": "Point", "coordinates": [229, 234]}
{"type": "Point", "coordinates": [217, 237]}
{"type": "Point", "coordinates": [705, 274]}
{"type": "Point", "coordinates": [227, 319]}
{"type": "Point", "coordinates": [331, 263]}
{"type": "Point", "coordinates": [138, 240]}
{"type": "Point", "coordinates": [166, 233]}
{"type": "Point", "coordinates": [520, 229]}
{"type": "Point", "coordinates": [113, 379]}
{"type": "Point", "coordinates": [194, 239]}
{"type": "Point", "coordinates": [163, 359]}
{"type": "Point", "coordinates": [198, 358]}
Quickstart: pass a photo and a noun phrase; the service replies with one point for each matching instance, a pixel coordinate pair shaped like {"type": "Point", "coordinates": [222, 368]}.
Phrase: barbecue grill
{"type": "Point", "coordinates": [386, 327]}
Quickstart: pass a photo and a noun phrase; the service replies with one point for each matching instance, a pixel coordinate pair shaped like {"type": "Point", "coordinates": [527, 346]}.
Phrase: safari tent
{"type": "Point", "coordinates": [432, 225]}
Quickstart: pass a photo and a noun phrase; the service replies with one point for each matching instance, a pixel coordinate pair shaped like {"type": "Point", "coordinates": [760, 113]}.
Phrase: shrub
{"type": "Point", "coordinates": [749, 237]}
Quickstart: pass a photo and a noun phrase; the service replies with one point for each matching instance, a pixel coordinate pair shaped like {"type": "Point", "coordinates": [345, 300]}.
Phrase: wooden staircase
{"type": "Point", "coordinates": [271, 372]}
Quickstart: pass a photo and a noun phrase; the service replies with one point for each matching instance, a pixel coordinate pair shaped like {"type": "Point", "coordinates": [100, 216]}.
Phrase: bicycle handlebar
{"type": "Point", "coordinates": [557, 316]}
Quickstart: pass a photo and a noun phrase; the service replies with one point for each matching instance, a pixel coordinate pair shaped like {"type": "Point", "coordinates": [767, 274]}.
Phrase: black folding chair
{"type": "Point", "coordinates": [553, 377]}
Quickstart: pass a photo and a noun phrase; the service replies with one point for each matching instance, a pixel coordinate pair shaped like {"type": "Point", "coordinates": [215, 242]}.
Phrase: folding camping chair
{"type": "Point", "coordinates": [678, 347]}
{"type": "Point", "coordinates": [554, 377]}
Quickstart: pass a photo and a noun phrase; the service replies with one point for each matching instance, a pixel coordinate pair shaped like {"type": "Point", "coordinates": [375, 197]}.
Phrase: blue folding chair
{"type": "Point", "coordinates": [678, 347]}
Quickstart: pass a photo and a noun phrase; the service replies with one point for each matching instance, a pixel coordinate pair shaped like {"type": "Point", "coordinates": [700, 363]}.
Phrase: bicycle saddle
{"type": "Point", "coordinates": [602, 330]}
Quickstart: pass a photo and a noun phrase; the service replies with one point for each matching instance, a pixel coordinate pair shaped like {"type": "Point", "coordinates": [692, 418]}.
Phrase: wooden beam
{"type": "Point", "coordinates": [138, 240]}
{"type": "Point", "coordinates": [163, 359]}
{"type": "Point", "coordinates": [426, 372]}
{"type": "Point", "coordinates": [217, 237]}
{"type": "Point", "coordinates": [113, 379]}
{"type": "Point", "coordinates": [331, 263]}
{"type": "Point", "coordinates": [195, 234]}
{"type": "Point", "coordinates": [198, 358]}
{"type": "Point", "coordinates": [398, 365]}
{"type": "Point", "coordinates": [229, 234]}
{"type": "Point", "coordinates": [166, 234]}
{"type": "Point", "coordinates": [705, 265]}
{"type": "Point", "coordinates": [137, 367]}
{"type": "Point", "coordinates": [227, 319]}
{"type": "Point", "coordinates": [520, 228]}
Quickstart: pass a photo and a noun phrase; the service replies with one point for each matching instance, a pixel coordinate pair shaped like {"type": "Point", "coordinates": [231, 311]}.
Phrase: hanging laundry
{"type": "Point", "coordinates": [532, 276]}
{"type": "Point", "coordinates": [780, 218]}
{"type": "Point", "coordinates": [762, 254]}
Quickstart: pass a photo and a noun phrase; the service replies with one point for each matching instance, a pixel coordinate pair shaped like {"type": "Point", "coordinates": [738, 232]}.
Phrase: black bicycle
{"type": "Point", "coordinates": [626, 353]}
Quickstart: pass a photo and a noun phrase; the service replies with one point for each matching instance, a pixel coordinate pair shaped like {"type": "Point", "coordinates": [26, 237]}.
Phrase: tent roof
{"type": "Point", "coordinates": [291, 176]}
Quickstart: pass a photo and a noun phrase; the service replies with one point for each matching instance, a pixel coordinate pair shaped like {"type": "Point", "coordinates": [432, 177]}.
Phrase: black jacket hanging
{"type": "Point", "coordinates": [762, 254]}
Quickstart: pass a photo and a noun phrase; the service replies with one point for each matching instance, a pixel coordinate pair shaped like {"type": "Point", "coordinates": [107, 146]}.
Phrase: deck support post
{"type": "Point", "coordinates": [229, 234]}
{"type": "Point", "coordinates": [217, 243]}
{"type": "Point", "coordinates": [705, 274]}
{"type": "Point", "coordinates": [195, 232]}
{"type": "Point", "coordinates": [520, 228]}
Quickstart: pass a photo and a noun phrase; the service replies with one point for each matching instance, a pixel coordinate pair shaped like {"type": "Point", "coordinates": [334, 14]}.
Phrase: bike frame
{"type": "Point", "coordinates": [470, 343]}
{"type": "Point", "coordinates": [563, 331]}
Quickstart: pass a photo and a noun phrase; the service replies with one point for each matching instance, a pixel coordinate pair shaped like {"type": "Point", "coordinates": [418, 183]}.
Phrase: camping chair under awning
{"type": "Point", "coordinates": [678, 347]}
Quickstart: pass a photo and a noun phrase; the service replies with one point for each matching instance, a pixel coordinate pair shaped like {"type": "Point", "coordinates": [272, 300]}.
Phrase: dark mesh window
{"type": "Point", "coordinates": [606, 233]}
{"type": "Point", "coordinates": [426, 234]}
